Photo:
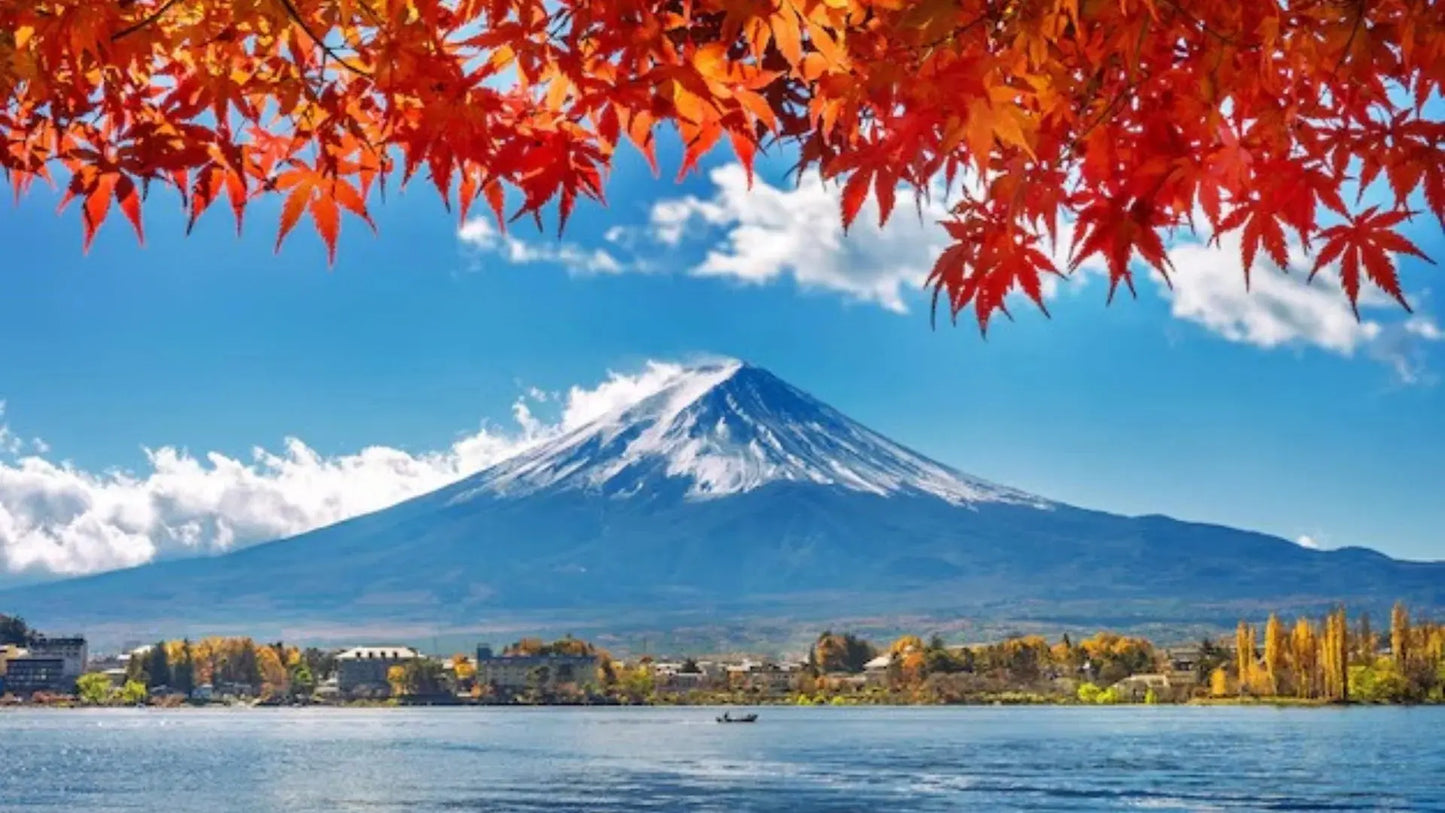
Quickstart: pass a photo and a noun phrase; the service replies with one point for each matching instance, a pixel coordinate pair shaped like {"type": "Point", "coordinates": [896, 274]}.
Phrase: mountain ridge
{"type": "Point", "coordinates": [726, 492]}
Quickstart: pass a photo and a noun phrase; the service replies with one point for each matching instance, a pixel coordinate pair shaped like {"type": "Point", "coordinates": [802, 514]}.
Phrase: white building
{"type": "Point", "coordinates": [71, 651]}
{"type": "Point", "coordinates": [365, 667]}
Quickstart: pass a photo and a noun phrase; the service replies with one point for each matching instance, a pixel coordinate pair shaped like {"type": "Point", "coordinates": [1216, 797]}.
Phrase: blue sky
{"type": "Point", "coordinates": [1271, 411]}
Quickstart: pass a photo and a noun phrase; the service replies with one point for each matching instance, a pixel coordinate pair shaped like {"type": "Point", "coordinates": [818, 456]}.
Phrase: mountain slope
{"type": "Point", "coordinates": [728, 493]}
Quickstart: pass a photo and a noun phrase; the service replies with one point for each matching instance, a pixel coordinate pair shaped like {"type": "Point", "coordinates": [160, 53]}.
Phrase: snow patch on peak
{"type": "Point", "coordinates": [620, 393]}
{"type": "Point", "coordinates": [719, 429]}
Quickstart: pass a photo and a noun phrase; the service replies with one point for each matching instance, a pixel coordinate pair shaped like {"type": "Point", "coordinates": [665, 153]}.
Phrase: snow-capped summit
{"type": "Point", "coordinates": [720, 495]}
{"type": "Point", "coordinates": [726, 428]}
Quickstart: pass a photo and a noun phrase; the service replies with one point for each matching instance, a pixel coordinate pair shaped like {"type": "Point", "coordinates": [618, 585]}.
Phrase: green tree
{"type": "Point", "coordinates": [1150, 697]}
{"type": "Point", "coordinates": [133, 693]}
{"type": "Point", "coordinates": [1211, 656]}
{"type": "Point", "coordinates": [1380, 682]}
{"type": "Point", "coordinates": [303, 683]}
{"type": "Point", "coordinates": [94, 689]}
{"type": "Point", "coordinates": [423, 677]}
{"type": "Point", "coordinates": [245, 668]}
{"type": "Point", "coordinates": [135, 668]}
{"type": "Point", "coordinates": [635, 685]}
{"type": "Point", "coordinates": [158, 666]}
{"type": "Point", "coordinates": [183, 672]}
{"type": "Point", "coordinates": [939, 660]}
{"type": "Point", "coordinates": [14, 631]}
{"type": "Point", "coordinates": [1089, 693]}
{"type": "Point", "coordinates": [845, 652]}
{"type": "Point", "coordinates": [321, 663]}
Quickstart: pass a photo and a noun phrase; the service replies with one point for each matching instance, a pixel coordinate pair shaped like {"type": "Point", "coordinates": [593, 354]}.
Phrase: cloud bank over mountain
{"type": "Point", "coordinates": [57, 519]}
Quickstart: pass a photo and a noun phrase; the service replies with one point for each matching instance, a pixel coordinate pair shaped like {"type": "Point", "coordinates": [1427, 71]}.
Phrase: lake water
{"type": "Point", "coordinates": [795, 759]}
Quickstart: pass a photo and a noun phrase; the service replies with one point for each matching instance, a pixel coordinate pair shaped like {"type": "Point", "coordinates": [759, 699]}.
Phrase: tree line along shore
{"type": "Point", "coordinates": [1330, 660]}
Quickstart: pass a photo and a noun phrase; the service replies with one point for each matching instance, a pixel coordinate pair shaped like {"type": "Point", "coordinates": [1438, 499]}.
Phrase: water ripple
{"type": "Point", "coordinates": [820, 759]}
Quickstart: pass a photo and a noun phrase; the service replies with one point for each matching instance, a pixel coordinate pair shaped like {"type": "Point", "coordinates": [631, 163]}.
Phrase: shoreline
{"type": "Point", "coordinates": [1277, 703]}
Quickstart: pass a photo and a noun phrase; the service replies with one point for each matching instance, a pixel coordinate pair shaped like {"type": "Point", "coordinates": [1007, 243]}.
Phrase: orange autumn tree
{"type": "Point", "coordinates": [1127, 118]}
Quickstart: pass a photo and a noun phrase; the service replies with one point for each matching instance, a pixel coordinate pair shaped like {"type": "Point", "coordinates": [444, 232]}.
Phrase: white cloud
{"type": "Point", "coordinates": [1424, 328]}
{"type": "Point", "coordinates": [10, 443]}
{"type": "Point", "coordinates": [769, 233]}
{"type": "Point", "coordinates": [1288, 310]}
{"type": "Point", "coordinates": [59, 519]}
{"type": "Point", "coordinates": [586, 405]}
{"type": "Point", "coordinates": [481, 235]}
{"type": "Point", "coordinates": [1277, 309]}
{"type": "Point", "coordinates": [1307, 541]}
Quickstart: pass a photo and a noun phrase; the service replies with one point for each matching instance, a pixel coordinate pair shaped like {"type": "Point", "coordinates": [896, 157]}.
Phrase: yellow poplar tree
{"type": "Point", "coordinates": [203, 661]}
{"type": "Point", "coordinates": [1219, 682]}
{"type": "Point", "coordinates": [1400, 637]}
{"type": "Point", "coordinates": [1366, 642]}
{"type": "Point", "coordinates": [396, 677]}
{"type": "Point", "coordinates": [275, 680]}
{"type": "Point", "coordinates": [1343, 654]}
{"type": "Point", "coordinates": [463, 667]}
{"type": "Point", "coordinates": [1335, 656]}
{"type": "Point", "coordinates": [1274, 654]}
{"type": "Point", "coordinates": [906, 644]}
{"type": "Point", "coordinates": [1304, 658]}
{"type": "Point", "coordinates": [1434, 640]}
{"type": "Point", "coordinates": [1328, 672]}
{"type": "Point", "coordinates": [1244, 655]}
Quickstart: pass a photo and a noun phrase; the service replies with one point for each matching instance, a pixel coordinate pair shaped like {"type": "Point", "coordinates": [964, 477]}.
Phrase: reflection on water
{"type": "Point", "coordinates": [841, 759]}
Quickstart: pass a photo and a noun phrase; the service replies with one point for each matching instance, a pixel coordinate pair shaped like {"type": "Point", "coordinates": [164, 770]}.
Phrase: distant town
{"type": "Point", "coordinates": [1336, 659]}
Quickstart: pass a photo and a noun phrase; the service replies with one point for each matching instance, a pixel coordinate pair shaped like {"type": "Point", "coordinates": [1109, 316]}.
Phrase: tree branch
{"type": "Point", "coordinates": [295, 16]}
{"type": "Point", "coordinates": [1354, 32]}
{"type": "Point", "coordinates": [1174, 4]}
{"type": "Point", "coordinates": [134, 27]}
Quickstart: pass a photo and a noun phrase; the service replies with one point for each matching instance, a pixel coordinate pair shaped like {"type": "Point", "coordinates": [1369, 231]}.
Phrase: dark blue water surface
{"type": "Point", "coordinates": [1163, 758]}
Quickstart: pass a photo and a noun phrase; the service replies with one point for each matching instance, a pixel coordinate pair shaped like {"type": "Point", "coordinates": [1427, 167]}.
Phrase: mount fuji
{"type": "Point", "coordinates": [726, 495]}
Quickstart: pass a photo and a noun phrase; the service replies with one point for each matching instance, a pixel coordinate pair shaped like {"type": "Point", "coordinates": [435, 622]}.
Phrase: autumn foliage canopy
{"type": "Point", "coordinates": [1128, 118]}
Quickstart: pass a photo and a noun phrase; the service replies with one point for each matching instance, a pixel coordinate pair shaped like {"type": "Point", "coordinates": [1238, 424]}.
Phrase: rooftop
{"type": "Point", "coordinates": [393, 653]}
{"type": "Point", "coordinates": [880, 662]}
{"type": "Point", "coordinates": [525, 659]}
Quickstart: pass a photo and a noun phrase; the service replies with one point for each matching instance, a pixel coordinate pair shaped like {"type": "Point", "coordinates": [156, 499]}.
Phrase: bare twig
{"type": "Point", "coordinates": [1174, 4]}
{"type": "Point", "coordinates": [1354, 32]}
{"type": "Point", "coordinates": [295, 16]}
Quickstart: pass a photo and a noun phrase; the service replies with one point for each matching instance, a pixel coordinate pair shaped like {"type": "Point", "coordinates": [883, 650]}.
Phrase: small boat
{"type": "Point", "coordinates": [746, 718]}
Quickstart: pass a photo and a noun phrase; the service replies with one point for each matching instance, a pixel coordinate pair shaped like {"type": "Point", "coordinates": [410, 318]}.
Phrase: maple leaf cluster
{"type": "Point", "coordinates": [1124, 117]}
